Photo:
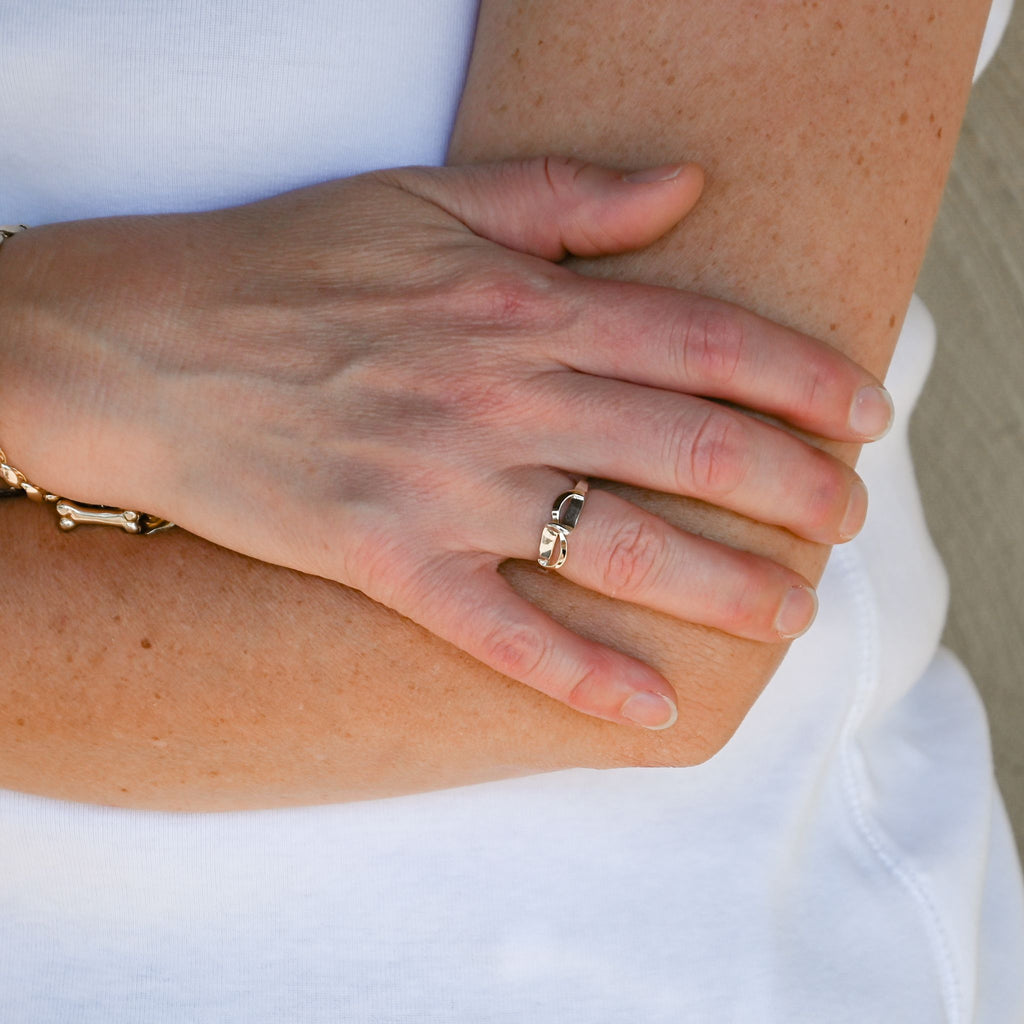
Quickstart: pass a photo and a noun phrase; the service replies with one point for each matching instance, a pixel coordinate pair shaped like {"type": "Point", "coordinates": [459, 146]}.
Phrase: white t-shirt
{"type": "Point", "coordinates": [845, 859]}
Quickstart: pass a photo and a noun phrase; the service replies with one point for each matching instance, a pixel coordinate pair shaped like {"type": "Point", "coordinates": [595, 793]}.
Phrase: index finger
{"type": "Point", "coordinates": [664, 338]}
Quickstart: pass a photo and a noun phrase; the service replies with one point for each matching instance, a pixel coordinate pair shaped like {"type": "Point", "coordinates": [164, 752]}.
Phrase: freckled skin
{"type": "Point", "coordinates": [753, 97]}
{"type": "Point", "coordinates": [818, 206]}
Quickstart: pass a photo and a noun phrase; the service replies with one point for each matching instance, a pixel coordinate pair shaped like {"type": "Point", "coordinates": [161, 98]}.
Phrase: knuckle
{"type": "Point", "coordinates": [518, 651]}
{"type": "Point", "coordinates": [818, 383]}
{"type": "Point", "coordinates": [740, 611]}
{"type": "Point", "coordinates": [591, 678]}
{"type": "Point", "coordinates": [714, 459]}
{"type": "Point", "coordinates": [829, 494]}
{"type": "Point", "coordinates": [560, 172]}
{"type": "Point", "coordinates": [712, 343]}
{"type": "Point", "coordinates": [486, 404]}
{"type": "Point", "coordinates": [637, 556]}
{"type": "Point", "coordinates": [510, 301]}
{"type": "Point", "coordinates": [523, 300]}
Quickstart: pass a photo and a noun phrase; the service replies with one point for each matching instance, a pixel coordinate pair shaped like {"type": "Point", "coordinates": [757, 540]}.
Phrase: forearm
{"type": "Point", "coordinates": [170, 673]}
{"type": "Point", "coordinates": [826, 133]}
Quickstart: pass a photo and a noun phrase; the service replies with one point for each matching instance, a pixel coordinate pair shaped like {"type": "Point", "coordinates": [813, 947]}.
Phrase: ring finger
{"type": "Point", "coordinates": [627, 553]}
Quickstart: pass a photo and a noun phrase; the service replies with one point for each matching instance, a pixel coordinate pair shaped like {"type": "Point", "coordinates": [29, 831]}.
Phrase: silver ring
{"type": "Point", "coordinates": [565, 514]}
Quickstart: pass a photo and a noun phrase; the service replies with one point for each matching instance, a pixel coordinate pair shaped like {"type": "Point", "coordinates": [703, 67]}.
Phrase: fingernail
{"type": "Point", "coordinates": [652, 175]}
{"type": "Point", "coordinates": [871, 413]}
{"type": "Point", "coordinates": [651, 710]}
{"type": "Point", "coordinates": [799, 608]}
{"type": "Point", "coordinates": [856, 512]}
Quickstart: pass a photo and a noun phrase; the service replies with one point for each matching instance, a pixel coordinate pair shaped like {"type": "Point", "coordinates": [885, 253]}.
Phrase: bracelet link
{"type": "Point", "coordinates": [72, 513]}
{"type": "Point", "coordinates": [6, 230]}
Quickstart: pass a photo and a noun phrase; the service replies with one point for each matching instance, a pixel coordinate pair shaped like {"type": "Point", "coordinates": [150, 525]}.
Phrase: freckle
{"type": "Point", "coordinates": [904, 117]}
{"type": "Point", "coordinates": [539, 100]}
{"type": "Point", "coordinates": [671, 80]}
{"type": "Point", "coordinates": [833, 327]}
{"type": "Point", "coordinates": [158, 696]}
{"type": "Point", "coordinates": [931, 118]}
{"type": "Point", "coordinates": [839, 25]}
{"type": "Point", "coordinates": [20, 721]}
{"type": "Point", "coordinates": [931, 18]}
{"type": "Point", "coordinates": [69, 658]}
{"type": "Point", "coordinates": [213, 774]}
{"type": "Point", "coordinates": [938, 134]}
{"type": "Point", "coordinates": [145, 644]}
{"type": "Point", "coordinates": [117, 618]}
{"type": "Point", "coordinates": [123, 790]}
{"type": "Point", "coordinates": [515, 54]}
{"type": "Point", "coordinates": [892, 321]}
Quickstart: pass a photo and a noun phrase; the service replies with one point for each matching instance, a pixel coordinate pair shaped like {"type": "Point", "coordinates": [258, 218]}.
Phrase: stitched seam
{"type": "Point", "coordinates": [852, 758]}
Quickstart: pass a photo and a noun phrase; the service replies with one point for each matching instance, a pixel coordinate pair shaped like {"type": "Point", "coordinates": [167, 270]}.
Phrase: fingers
{"type": "Point", "coordinates": [645, 334]}
{"type": "Point", "coordinates": [683, 445]}
{"type": "Point", "coordinates": [626, 553]}
{"type": "Point", "coordinates": [480, 613]}
{"type": "Point", "coordinates": [616, 549]}
{"type": "Point", "coordinates": [629, 554]}
{"type": "Point", "coordinates": [682, 342]}
{"type": "Point", "coordinates": [550, 206]}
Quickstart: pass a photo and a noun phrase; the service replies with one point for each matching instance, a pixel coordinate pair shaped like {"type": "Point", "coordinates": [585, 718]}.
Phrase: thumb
{"type": "Point", "coordinates": [551, 206]}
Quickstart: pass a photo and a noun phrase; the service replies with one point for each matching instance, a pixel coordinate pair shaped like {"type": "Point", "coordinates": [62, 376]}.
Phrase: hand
{"type": "Point", "coordinates": [386, 380]}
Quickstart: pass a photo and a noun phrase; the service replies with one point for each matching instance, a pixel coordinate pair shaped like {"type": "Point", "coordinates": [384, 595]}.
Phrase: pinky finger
{"type": "Point", "coordinates": [480, 613]}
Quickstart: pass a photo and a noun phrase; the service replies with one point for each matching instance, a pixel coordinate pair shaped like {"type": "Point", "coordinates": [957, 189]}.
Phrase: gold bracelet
{"type": "Point", "coordinates": [11, 229]}
{"type": "Point", "coordinates": [72, 513]}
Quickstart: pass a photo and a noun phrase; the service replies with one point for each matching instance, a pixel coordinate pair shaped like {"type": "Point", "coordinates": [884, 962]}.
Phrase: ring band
{"type": "Point", "coordinates": [565, 514]}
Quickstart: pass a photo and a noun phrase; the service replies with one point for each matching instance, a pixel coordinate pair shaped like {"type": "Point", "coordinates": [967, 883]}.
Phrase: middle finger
{"type": "Point", "coordinates": [680, 444]}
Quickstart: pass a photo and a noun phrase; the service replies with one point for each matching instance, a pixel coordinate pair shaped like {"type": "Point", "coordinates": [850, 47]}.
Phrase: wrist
{"type": "Point", "coordinates": [70, 513]}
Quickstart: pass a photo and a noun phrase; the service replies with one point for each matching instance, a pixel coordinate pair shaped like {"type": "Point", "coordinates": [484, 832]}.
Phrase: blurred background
{"type": "Point", "coordinates": [968, 432]}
